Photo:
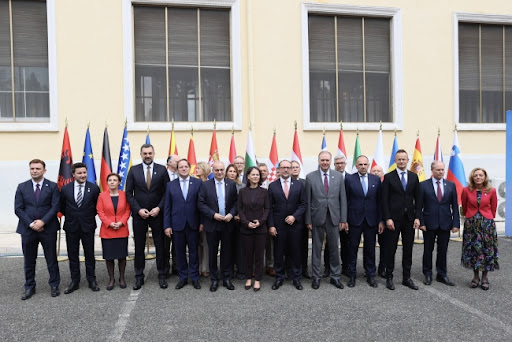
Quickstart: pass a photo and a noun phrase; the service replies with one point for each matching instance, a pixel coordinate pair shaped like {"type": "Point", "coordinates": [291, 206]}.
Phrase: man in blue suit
{"type": "Point", "coordinates": [181, 219]}
{"type": "Point", "coordinates": [364, 217]}
{"type": "Point", "coordinates": [78, 204]}
{"type": "Point", "coordinates": [286, 222]}
{"type": "Point", "coordinates": [440, 214]}
{"type": "Point", "coordinates": [36, 204]}
{"type": "Point", "coordinates": [217, 203]}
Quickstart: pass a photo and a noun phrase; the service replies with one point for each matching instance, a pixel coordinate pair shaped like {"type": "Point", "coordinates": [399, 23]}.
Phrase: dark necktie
{"type": "Point", "coordinates": [439, 192]}
{"type": "Point", "coordinates": [79, 196]}
{"type": "Point", "coordinates": [404, 183]}
{"type": "Point", "coordinates": [326, 184]}
{"type": "Point", "coordinates": [37, 192]}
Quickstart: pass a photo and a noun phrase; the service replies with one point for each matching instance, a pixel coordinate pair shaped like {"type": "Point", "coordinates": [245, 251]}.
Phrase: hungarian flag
{"type": "Point", "coordinates": [378, 156]}
{"type": "Point", "coordinates": [66, 160]}
{"type": "Point", "coordinates": [357, 153]}
{"type": "Point", "coordinates": [88, 158]}
{"type": "Point", "coordinates": [273, 160]}
{"type": "Point", "coordinates": [296, 155]}
{"type": "Point", "coordinates": [456, 168]}
{"type": "Point", "coordinates": [438, 154]}
{"type": "Point", "coordinates": [173, 148]}
{"type": "Point", "coordinates": [232, 149]}
{"type": "Point", "coordinates": [106, 162]}
{"type": "Point", "coordinates": [192, 156]}
{"type": "Point", "coordinates": [394, 149]}
{"type": "Point", "coordinates": [250, 156]}
{"type": "Point", "coordinates": [417, 161]}
{"type": "Point", "coordinates": [341, 145]}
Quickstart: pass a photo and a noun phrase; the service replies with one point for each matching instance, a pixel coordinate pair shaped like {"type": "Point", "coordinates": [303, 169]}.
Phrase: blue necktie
{"type": "Point", "coordinates": [220, 198]}
{"type": "Point", "coordinates": [184, 190]}
{"type": "Point", "coordinates": [404, 183]}
{"type": "Point", "coordinates": [363, 184]}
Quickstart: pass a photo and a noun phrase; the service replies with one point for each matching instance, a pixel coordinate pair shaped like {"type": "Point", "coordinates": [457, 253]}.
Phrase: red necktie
{"type": "Point", "coordinates": [286, 189]}
{"type": "Point", "coordinates": [326, 184]}
{"type": "Point", "coordinates": [439, 192]}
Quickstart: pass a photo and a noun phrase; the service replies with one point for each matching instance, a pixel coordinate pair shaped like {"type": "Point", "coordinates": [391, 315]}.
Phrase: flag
{"type": "Point", "coordinates": [88, 158]}
{"type": "Point", "coordinates": [456, 168]}
{"type": "Point", "coordinates": [438, 154]}
{"type": "Point", "coordinates": [273, 160]}
{"type": "Point", "coordinates": [357, 153]}
{"type": "Point", "coordinates": [296, 155]}
{"type": "Point", "coordinates": [250, 156]}
{"type": "Point", "coordinates": [341, 145]}
{"type": "Point", "coordinates": [173, 147]}
{"type": "Point", "coordinates": [394, 149]}
{"type": "Point", "coordinates": [125, 159]}
{"type": "Point", "coordinates": [378, 156]}
{"type": "Point", "coordinates": [192, 155]}
{"type": "Point", "coordinates": [214, 151]}
{"type": "Point", "coordinates": [232, 149]}
{"type": "Point", "coordinates": [106, 162]}
{"type": "Point", "coordinates": [417, 161]}
{"type": "Point", "coordinates": [148, 141]}
{"type": "Point", "coordinates": [324, 144]}
{"type": "Point", "coordinates": [66, 160]}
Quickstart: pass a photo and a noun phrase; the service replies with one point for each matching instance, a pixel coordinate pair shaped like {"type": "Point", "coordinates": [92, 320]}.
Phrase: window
{"type": "Point", "coordinates": [182, 64]}
{"type": "Point", "coordinates": [485, 72]}
{"type": "Point", "coordinates": [24, 78]}
{"type": "Point", "coordinates": [349, 68]}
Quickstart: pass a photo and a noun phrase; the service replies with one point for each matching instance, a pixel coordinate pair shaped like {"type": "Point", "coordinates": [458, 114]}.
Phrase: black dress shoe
{"type": "Point", "coordinates": [122, 284]}
{"type": "Point", "coordinates": [28, 293]}
{"type": "Point", "coordinates": [138, 284]}
{"type": "Point", "coordinates": [389, 284]}
{"type": "Point", "coordinates": [181, 283]}
{"type": "Point", "coordinates": [428, 280]}
{"type": "Point", "coordinates": [306, 275]}
{"type": "Point", "coordinates": [110, 287]}
{"type": "Point", "coordinates": [371, 281]}
{"type": "Point", "coordinates": [337, 283]}
{"type": "Point", "coordinates": [351, 282]}
{"type": "Point", "coordinates": [93, 285]}
{"type": "Point", "coordinates": [55, 291]}
{"type": "Point", "coordinates": [196, 284]}
{"type": "Point", "coordinates": [315, 284]}
{"type": "Point", "coordinates": [163, 283]}
{"type": "Point", "coordinates": [277, 284]}
{"type": "Point", "coordinates": [444, 280]}
{"type": "Point", "coordinates": [297, 284]}
{"type": "Point", "coordinates": [72, 287]}
{"type": "Point", "coordinates": [228, 284]}
{"type": "Point", "coordinates": [214, 286]}
{"type": "Point", "coordinates": [326, 273]}
{"type": "Point", "coordinates": [382, 273]}
{"type": "Point", "coordinates": [409, 284]}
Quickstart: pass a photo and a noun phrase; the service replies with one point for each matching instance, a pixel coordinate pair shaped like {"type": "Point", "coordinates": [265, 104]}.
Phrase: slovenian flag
{"type": "Point", "coordinates": [456, 168]}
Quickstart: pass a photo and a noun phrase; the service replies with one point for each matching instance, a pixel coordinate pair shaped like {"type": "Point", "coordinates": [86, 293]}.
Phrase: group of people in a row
{"type": "Point", "coordinates": [256, 223]}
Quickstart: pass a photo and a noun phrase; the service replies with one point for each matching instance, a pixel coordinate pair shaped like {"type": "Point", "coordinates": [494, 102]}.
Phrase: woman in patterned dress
{"type": "Point", "coordinates": [480, 240]}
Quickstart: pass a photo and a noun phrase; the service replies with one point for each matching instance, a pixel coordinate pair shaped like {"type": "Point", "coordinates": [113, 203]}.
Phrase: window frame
{"type": "Point", "coordinates": [395, 17]}
{"type": "Point", "coordinates": [51, 123]}
{"type": "Point", "coordinates": [129, 67]}
{"type": "Point", "coordinates": [474, 18]}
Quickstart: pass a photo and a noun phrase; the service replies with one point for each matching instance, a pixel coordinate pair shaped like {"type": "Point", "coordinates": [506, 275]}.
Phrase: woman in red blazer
{"type": "Point", "coordinates": [114, 212]}
{"type": "Point", "coordinates": [480, 240]}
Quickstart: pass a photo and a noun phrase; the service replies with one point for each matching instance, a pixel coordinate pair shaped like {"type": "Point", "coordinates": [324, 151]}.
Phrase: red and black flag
{"type": "Point", "coordinates": [66, 160]}
{"type": "Point", "coordinates": [106, 163]}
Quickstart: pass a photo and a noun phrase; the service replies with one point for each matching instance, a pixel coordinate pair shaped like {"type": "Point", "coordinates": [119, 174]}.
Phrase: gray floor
{"type": "Point", "coordinates": [433, 313]}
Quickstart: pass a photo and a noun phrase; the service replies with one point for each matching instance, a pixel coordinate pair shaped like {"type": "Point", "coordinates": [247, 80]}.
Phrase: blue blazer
{"type": "Point", "coordinates": [26, 206]}
{"type": "Point", "coordinates": [83, 218]}
{"type": "Point", "coordinates": [439, 215]}
{"type": "Point", "coordinates": [281, 207]}
{"type": "Point", "coordinates": [179, 211]}
{"type": "Point", "coordinates": [362, 207]}
{"type": "Point", "coordinates": [209, 206]}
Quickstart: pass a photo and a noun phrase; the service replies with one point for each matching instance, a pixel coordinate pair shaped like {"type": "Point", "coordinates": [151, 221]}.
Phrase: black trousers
{"type": "Point", "coordinates": [73, 246]}
{"type": "Point", "coordinates": [305, 249]}
{"type": "Point", "coordinates": [238, 250]}
{"type": "Point", "coordinates": [354, 235]}
{"type": "Point", "coordinates": [344, 253]}
{"type": "Point", "coordinates": [288, 243]}
{"type": "Point", "coordinates": [429, 237]}
{"type": "Point", "coordinates": [404, 227]}
{"type": "Point", "coordinates": [29, 244]}
{"type": "Point", "coordinates": [140, 228]}
{"type": "Point", "coordinates": [225, 238]}
{"type": "Point", "coordinates": [254, 245]}
{"type": "Point", "coordinates": [169, 251]}
{"type": "Point", "coordinates": [382, 250]}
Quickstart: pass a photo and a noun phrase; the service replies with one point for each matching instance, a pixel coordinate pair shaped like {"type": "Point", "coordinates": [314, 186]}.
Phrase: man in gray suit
{"type": "Point", "coordinates": [326, 214]}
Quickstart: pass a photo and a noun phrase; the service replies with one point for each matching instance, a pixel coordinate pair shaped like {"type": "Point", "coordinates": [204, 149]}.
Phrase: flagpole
{"type": "Point", "coordinates": [59, 257]}
{"type": "Point", "coordinates": [462, 218]}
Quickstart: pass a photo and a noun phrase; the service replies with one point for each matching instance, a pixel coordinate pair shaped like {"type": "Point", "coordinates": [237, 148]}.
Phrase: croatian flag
{"type": "Point", "coordinates": [456, 168]}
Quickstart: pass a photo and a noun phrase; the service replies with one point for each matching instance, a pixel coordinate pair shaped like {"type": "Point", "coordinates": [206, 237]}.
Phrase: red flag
{"type": "Point", "coordinates": [296, 155]}
{"type": "Point", "coordinates": [273, 160]}
{"type": "Point", "coordinates": [341, 145]}
{"type": "Point", "coordinates": [232, 149]}
{"type": "Point", "coordinates": [192, 156]}
{"type": "Point", "coordinates": [66, 160]}
{"type": "Point", "coordinates": [214, 150]}
{"type": "Point", "coordinates": [173, 147]}
{"type": "Point", "coordinates": [106, 163]}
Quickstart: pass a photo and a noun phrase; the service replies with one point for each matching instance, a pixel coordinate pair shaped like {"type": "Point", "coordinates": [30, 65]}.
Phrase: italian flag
{"type": "Point", "coordinates": [357, 153]}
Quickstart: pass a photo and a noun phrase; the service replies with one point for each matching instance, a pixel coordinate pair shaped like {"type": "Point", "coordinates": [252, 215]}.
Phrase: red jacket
{"type": "Point", "coordinates": [488, 203]}
{"type": "Point", "coordinates": [106, 213]}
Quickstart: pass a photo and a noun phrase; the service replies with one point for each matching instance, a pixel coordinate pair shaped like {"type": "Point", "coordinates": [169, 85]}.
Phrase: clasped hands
{"type": "Point", "coordinates": [290, 219]}
{"type": "Point", "coordinates": [116, 225]}
{"type": "Point", "coordinates": [144, 213]}
{"type": "Point", "coordinates": [226, 218]}
{"type": "Point", "coordinates": [37, 225]}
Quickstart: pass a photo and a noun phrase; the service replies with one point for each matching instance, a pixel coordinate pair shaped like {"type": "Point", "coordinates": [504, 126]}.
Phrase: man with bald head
{"type": "Point", "coordinates": [217, 202]}
{"type": "Point", "coordinates": [439, 215]}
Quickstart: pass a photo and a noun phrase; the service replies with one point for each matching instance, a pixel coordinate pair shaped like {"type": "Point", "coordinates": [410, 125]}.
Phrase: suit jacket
{"type": "Point", "coordinates": [26, 207]}
{"type": "Point", "coordinates": [439, 215]}
{"type": "Point", "coordinates": [107, 215]}
{"type": "Point", "coordinates": [361, 206]}
{"type": "Point", "coordinates": [319, 201]}
{"type": "Point", "coordinates": [488, 203]}
{"type": "Point", "coordinates": [137, 191]}
{"type": "Point", "coordinates": [253, 204]}
{"type": "Point", "coordinates": [281, 207]}
{"type": "Point", "coordinates": [179, 211]}
{"type": "Point", "coordinates": [83, 218]}
{"type": "Point", "coordinates": [396, 201]}
{"type": "Point", "coordinates": [208, 204]}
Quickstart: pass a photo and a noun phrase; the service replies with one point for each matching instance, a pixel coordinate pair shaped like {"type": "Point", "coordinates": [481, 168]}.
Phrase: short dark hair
{"type": "Point", "coordinates": [184, 159]}
{"type": "Point", "coordinates": [114, 174]}
{"type": "Point", "coordinates": [401, 151]}
{"type": "Point", "coordinates": [37, 161]}
{"type": "Point", "coordinates": [248, 172]}
{"type": "Point", "coordinates": [77, 166]}
{"type": "Point", "coordinates": [146, 146]}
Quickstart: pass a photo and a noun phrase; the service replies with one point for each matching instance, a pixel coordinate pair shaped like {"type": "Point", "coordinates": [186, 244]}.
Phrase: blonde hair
{"type": "Point", "coordinates": [486, 186]}
{"type": "Point", "coordinates": [205, 167]}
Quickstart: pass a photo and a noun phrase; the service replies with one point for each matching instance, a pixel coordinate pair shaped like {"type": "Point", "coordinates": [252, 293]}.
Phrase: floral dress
{"type": "Point", "coordinates": [480, 242]}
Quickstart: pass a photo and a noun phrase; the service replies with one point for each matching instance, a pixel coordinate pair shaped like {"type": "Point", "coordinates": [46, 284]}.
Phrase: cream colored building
{"type": "Point", "coordinates": [417, 66]}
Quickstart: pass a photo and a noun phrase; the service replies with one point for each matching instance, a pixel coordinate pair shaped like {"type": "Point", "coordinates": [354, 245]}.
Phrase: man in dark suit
{"type": "Point", "coordinates": [440, 214]}
{"type": "Point", "coordinates": [304, 244]}
{"type": "Point", "coordinates": [217, 203]}
{"type": "Point", "coordinates": [287, 208]}
{"type": "Point", "coordinates": [36, 204]}
{"type": "Point", "coordinates": [401, 207]}
{"type": "Point", "coordinates": [145, 189]}
{"type": "Point", "coordinates": [78, 205]}
{"type": "Point", "coordinates": [326, 214]}
{"type": "Point", "coordinates": [181, 219]}
{"type": "Point", "coordinates": [364, 217]}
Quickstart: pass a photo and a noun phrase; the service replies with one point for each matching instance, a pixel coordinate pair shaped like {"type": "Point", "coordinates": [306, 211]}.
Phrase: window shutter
{"type": "Point", "coordinates": [30, 35]}
{"type": "Point", "coordinates": [149, 32]}
{"type": "Point", "coordinates": [5, 35]}
{"type": "Point", "coordinates": [469, 69]}
{"type": "Point", "coordinates": [321, 43]}
{"type": "Point", "coordinates": [182, 34]}
{"type": "Point", "coordinates": [350, 44]}
{"type": "Point", "coordinates": [377, 42]}
{"type": "Point", "coordinates": [215, 50]}
{"type": "Point", "coordinates": [508, 67]}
